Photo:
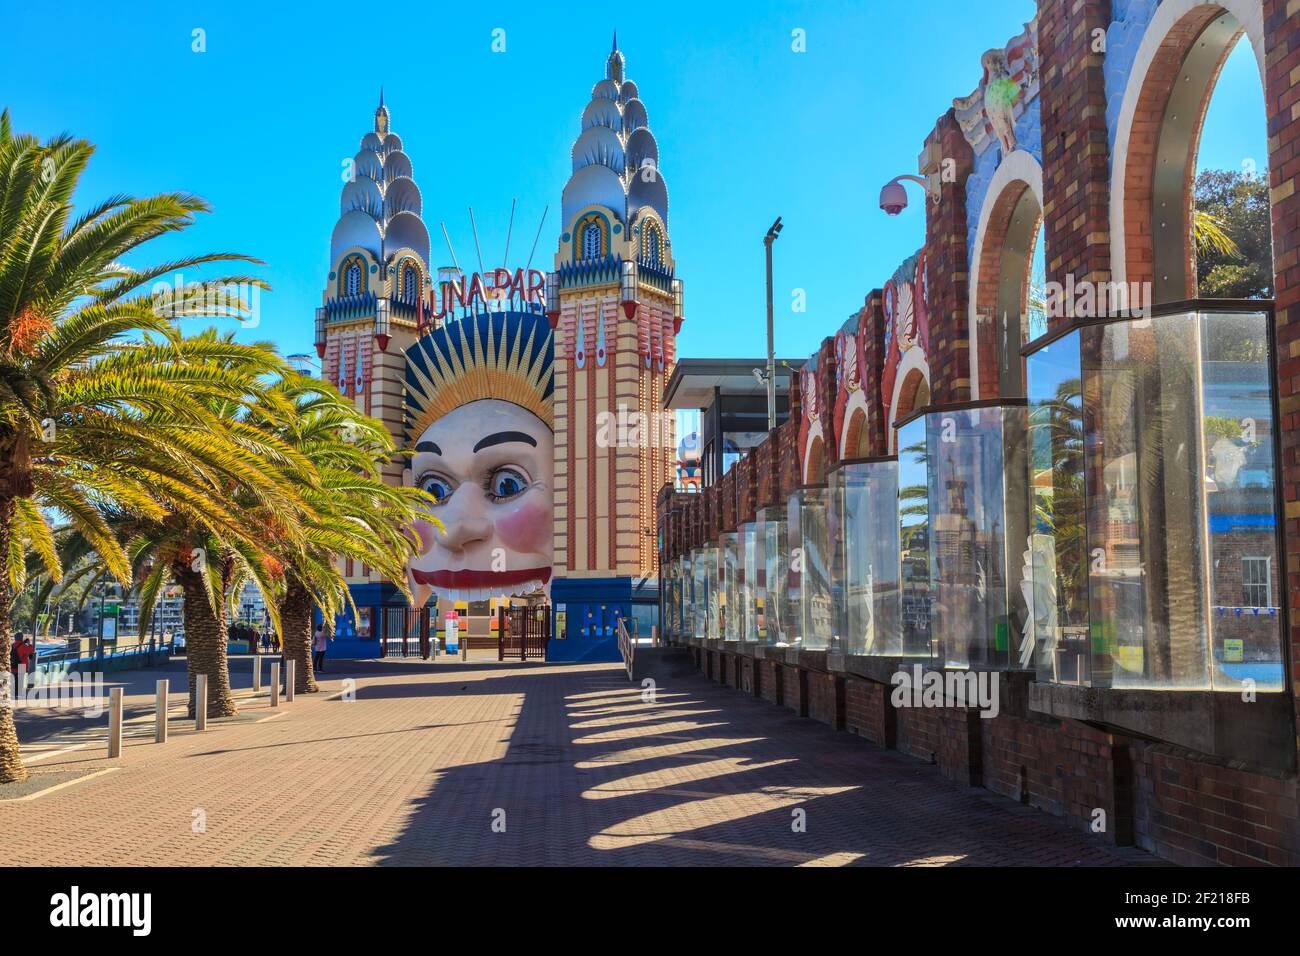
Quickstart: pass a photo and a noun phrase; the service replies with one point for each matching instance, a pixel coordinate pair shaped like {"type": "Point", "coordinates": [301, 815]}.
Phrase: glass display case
{"type": "Point", "coordinates": [776, 621]}
{"type": "Point", "coordinates": [750, 576]}
{"type": "Point", "coordinates": [962, 506]}
{"type": "Point", "coordinates": [1171, 567]}
{"type": "Point", "coordinates": [913, 517]}
{"type": "Point", "coordinates": [865, 558]}
{"type": "Point", "coordinates": [730, 604]}
{"type": "Point", "coordinates": [977, 507]}
{"type": "Point", "coordinates": [810, 567]}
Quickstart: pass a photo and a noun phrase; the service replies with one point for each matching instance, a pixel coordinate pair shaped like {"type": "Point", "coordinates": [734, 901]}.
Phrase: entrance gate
{"type": "Point", "coordinates": [523, 632]}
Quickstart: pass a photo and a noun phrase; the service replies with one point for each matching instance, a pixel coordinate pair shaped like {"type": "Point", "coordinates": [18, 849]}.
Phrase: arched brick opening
{"type": "Point", "coordinates": [1158, 168]}
{"type": "Point", "coordinates": [857, 437]}
{"type": "Point", "coordinates": [913, 393]}
{"type": "Point", "coordinates": [815, 470]}
{"type": "Point", "coordinates": [1005, 259]}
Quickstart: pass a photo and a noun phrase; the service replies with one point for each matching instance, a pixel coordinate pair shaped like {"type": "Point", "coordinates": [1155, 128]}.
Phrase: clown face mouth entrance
{"type": "Point", "coordinates": [480, 429]}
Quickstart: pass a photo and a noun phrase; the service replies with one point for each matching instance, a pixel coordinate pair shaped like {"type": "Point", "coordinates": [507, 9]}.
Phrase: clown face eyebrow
{"type": "Point", "coordinates": [428, 446]}
{"type": "Point", "coordinates": [501, 438]}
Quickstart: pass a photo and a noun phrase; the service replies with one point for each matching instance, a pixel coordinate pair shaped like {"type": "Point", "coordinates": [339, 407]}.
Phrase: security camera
{"type": "Point", "coordinates": [760, 376]}
{"type": "Point", "coordinates": [893, 198]}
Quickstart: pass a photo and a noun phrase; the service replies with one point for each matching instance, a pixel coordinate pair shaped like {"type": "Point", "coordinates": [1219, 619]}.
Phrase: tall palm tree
{"type": "Point", "coordinates": [354, 514]}
{"type": "Point", "coordinates": [91, 413]}
{"type": "Point", "coordinates": [217, 532]}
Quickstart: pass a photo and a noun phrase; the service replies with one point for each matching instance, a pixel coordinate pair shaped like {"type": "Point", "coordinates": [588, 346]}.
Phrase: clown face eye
{"type": "Point", "coordinates": [506, 483]}
{"type": "Point", "coordinates": [437, 486]}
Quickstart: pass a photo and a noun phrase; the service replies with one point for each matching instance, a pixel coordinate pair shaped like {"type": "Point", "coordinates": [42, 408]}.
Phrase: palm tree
{"type": "Point", "coordinates": [354, 514]}
{"type": "Point", "coordinates": [217, 532]}
{"type": "Point", "coordinates": [91, 414]}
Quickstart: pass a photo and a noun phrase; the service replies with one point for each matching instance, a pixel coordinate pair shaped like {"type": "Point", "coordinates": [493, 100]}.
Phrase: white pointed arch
{"type": "Point", "coordinates": [1249, 14]}
{"type": "Point", "coordinates": [1018, 169]}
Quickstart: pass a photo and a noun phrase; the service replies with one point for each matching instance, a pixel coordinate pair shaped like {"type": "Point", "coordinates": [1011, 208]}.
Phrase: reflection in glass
{"type": "Point", "coordinates": [1055, 560]}
{"type": "Point", "coordinates": [969, 481]}
{"type": "Point", "coordinates": [749, 580]}
{"type": "Point", "coordinates": [914, 540]}
{"type": "Point", "coordinates": [1182, 551]}
{"type": "Point", "coordinates": [864, 573]}
{"type": "Point", "coordinates": [729, 602]}
{"type": "Point", "coordinates": [776, 624]}
{"type": "Point", "coordinates": [811, 567]}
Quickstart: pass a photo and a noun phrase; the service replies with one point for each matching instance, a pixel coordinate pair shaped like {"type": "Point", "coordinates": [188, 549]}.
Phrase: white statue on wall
{"type": "Point", "coordinates": [1009, 84]}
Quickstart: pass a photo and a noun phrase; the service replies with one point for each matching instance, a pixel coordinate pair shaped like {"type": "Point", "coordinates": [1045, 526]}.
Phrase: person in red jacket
{"type": "Point", "coordinates": [25, 650]}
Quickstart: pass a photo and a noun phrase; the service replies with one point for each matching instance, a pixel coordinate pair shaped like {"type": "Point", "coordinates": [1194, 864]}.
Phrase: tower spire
{"type": "Point", "coordinates": [614, 48]}
{"type": "Point", "coordinates": [381, 114]}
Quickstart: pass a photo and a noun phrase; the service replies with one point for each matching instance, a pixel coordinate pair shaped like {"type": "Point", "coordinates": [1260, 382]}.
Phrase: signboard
{"type": "Point", "coordinates": [485, 291]}
{"type": "Point", "coordinates": [453, 632]}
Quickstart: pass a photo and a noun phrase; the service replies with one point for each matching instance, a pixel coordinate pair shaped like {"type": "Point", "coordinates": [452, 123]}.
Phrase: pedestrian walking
{"type": "Point", "coordinates": [319, 642]}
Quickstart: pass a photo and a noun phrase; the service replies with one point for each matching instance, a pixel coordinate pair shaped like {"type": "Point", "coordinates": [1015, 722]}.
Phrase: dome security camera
{"type": "Point", "coordinates": [893, 198]}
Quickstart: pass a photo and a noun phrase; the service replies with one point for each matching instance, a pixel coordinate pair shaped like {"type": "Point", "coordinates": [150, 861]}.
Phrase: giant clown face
{"type": "Point", "coordinates": [488, 463]}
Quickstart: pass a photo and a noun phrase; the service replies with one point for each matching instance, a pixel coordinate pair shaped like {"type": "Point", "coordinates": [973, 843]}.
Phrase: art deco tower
{"type": "Point", "coordinates": [615, 303]}
{"type": "Point", "coordinates": [373, 301]}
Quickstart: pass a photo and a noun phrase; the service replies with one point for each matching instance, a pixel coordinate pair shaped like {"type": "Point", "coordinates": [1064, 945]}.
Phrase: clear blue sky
{"type": "Point", "coordinates": [747, 129]}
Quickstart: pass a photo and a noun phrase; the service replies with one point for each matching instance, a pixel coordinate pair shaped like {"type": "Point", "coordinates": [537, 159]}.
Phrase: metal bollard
{"type": "Point", "coordinates": [115, 722]}
{"type": "Point", "coordinates": [275, 683]}
{"type": "Point", "coordinates": [201, 702]}
{"type": "Point", "coordinates": [160, 712]}
{"type": "Point", "coordinates": [257, 675]}
{"type": "Point", "coordinates": [288, 680]}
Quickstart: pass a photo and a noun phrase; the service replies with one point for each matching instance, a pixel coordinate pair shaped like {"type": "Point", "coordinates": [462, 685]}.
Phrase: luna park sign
{"type": "Point", "coordinates": [487, 291]}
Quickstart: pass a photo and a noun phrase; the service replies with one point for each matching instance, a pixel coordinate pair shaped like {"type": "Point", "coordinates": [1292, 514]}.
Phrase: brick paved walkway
{"type": "Point", "coordinates": [430, 762]}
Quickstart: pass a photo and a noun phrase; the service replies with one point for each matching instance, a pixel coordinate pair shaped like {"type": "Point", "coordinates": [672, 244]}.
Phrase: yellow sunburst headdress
{"type": "Point", "coordinates": [502, 355]}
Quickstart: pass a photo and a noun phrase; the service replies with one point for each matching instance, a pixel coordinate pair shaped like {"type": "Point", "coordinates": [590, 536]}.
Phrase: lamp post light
{"type": "Point", "coordinates": [553, 299]}
{"type": "Point", "coordinates": [770, 238]}
{"type": "Point", "coordinates": [382, 323]}
{"type": "Point", "coordinates": [320, 332]}
{"type": "Point", "coordinates": [628, 285]}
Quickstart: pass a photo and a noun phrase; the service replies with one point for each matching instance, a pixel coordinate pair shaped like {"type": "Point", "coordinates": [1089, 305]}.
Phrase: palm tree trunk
{"type": "Point", "coordinates": [205, 644]}
{"type": "Point", "coordinates": [295, 625]}
{"type": "Point", "coordinates": [11, 761]}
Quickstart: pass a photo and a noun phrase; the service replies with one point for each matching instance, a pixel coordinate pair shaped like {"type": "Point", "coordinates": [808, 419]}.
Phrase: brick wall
{"type": "Point", "coordinates": [793, 694]}
{"type": "Point", "coordinates": [918, 733]}
{"type": "Point", "coordinates": [866, 710]}
{"type": "Point", "coordinates": [1197, 814]}
{"type": "Point", "coordinates": [1076, 151]}
{"type": "Point", "coordinates": [948, 271]}
{"type": "Point", "coordinates": [1282, 94]}
{"type": "Point", "coordinates": [825, 699]}
{"type": "Point", "coordinates": [771, 681]}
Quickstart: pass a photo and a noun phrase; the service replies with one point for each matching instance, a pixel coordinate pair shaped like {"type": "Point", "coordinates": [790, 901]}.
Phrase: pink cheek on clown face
{"type": "Point", "coordinates": [526, 526]}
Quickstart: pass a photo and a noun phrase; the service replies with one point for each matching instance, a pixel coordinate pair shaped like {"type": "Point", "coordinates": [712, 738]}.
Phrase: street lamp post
{"type": "Point", "coordinates": [770, 238]}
